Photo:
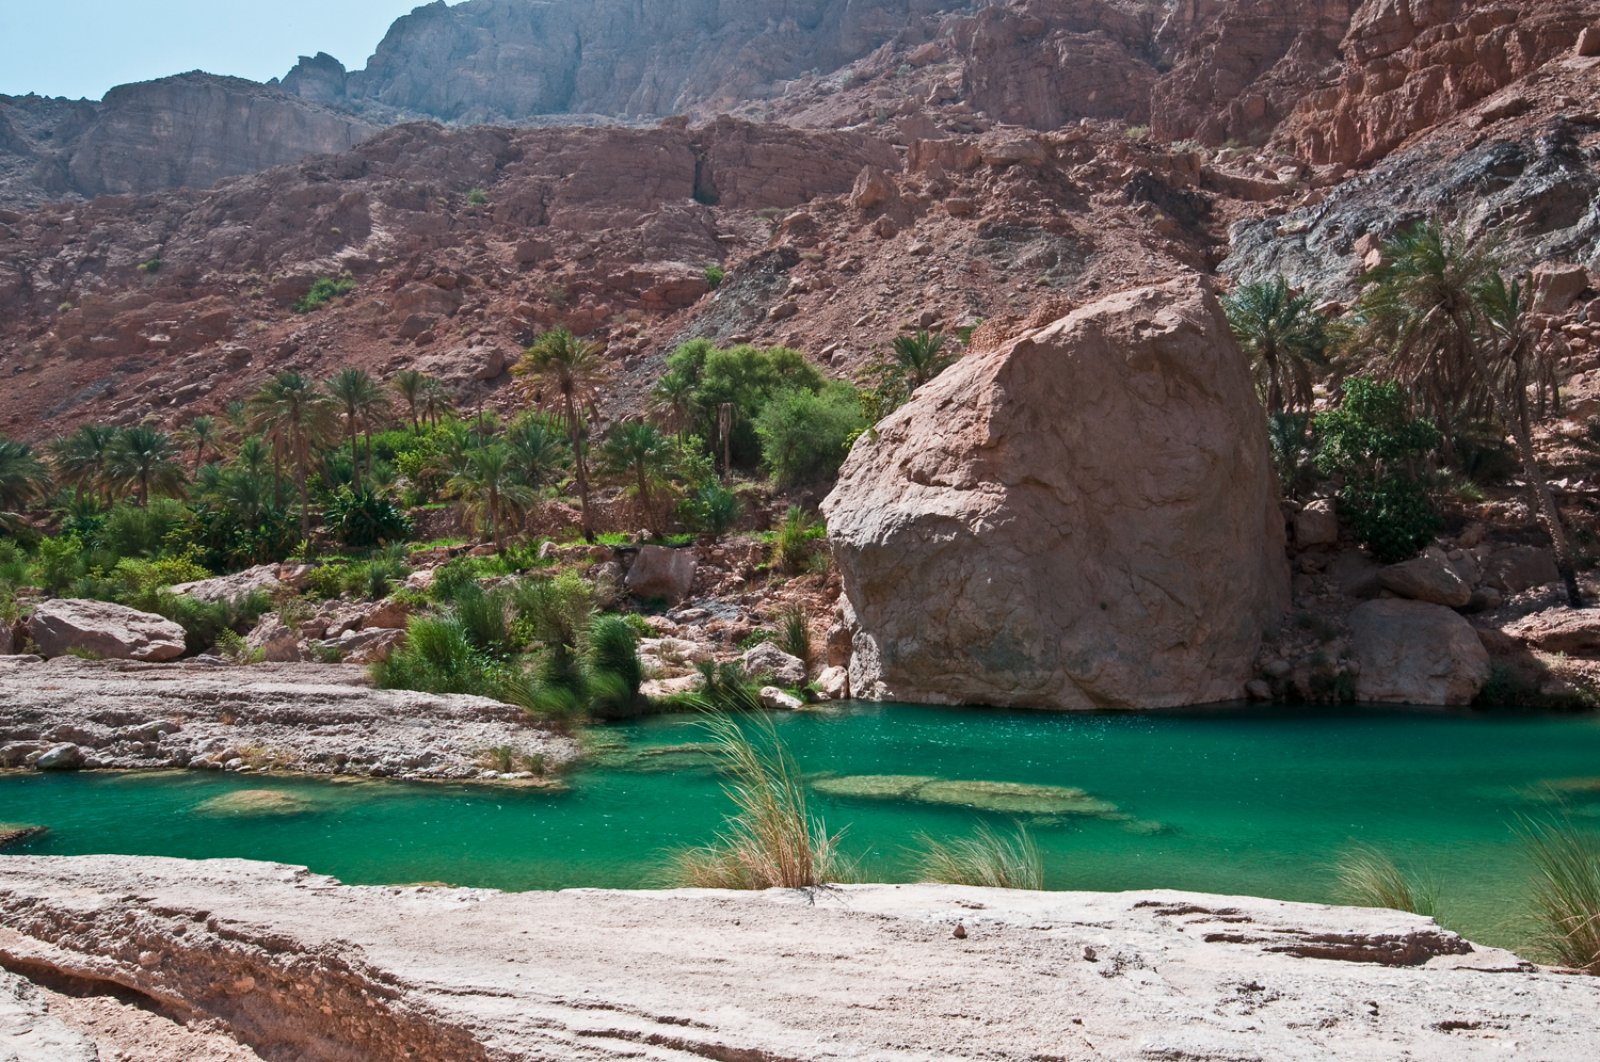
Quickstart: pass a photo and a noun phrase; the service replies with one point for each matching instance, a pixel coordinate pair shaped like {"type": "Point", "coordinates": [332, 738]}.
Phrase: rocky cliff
{"type": "Point", "coordinates": [1084, 517]}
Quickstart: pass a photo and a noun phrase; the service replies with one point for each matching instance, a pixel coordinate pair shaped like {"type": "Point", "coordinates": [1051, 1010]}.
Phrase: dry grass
{"type": "Point", "coordinates": [1566, 891]}
{"type": "Point", "coordinates": [986, 859]}
{"type": "Point", "coordinates": [772, 840]}
{"type": "Point", "coordinates": [1369, 878]}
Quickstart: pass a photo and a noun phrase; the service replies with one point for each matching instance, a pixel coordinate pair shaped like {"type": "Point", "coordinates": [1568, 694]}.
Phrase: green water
{"type": "Point", "coordinates": [1252, 802]}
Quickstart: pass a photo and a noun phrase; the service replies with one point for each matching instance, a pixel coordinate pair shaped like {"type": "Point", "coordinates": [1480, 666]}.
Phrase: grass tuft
{"type": "Point", "coordinates": [1369, 878]}
{"type": "Point", "coordinates": [1566, 891]}
{"type": "Point", "coordinates": [772, 840]}
{"type": "Point", "coordinates": [987, 859]}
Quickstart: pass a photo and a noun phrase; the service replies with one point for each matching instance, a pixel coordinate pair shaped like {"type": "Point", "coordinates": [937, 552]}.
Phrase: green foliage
{"type": "Point", "coordinates": [1566, 891]}
{"type": "Point", "coordinates": [805, 435]}
{"type": "Point", "coordinates": [1286, 339]}
{"type": "Point", "coordinates": [484, 618]}
{"type": "Point", "coordinates": [712, 510]}
{"type": "Point", "coordinates": [796, 541]}
{"type": "Point", "coordinates": [987, 859]}
{"type": "Point", "coordinates": [373, 579]}
{"type": "Point", "coordinates": [715, 275]}
{"type": "Point", "coordinates": [204, 622]}
{"type": "Point", "coordinates": [614, 672]}
{"type": "Point", "coordinates": [365, 519]}
{"type": "Point", "coordinates": [439, 657]}
{"type": "Point", "coordinates": [1293, 449]}
{"type": "Point", "coordinates": [704, 378]}
{"type": "Point", "coordinates": [1374, 444]}
{"type": "Point", "coordinates": [477, 197]}
{"type": "Point", "coordinates": [324, 290]}
{"type": "Point", "coordinates": [794, 634]}
{"type": "Point", "coordinates": [151, 267]}
{"type": "Point", "coordinates": [60, 563]}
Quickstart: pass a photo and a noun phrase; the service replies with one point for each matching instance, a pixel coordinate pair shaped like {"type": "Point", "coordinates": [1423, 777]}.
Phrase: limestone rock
{"type": "Point", "coordinates": [774, 699]}
{"type": "Point", "coordinates": [1317, 524]}
{"type": "Point", "coordinates": [659, 572]}
{"type": "Point", "coordinates": [369, 645]}
{"type": "Point", "coordinates": [260, 579]}
{"type": "Point", "coordinates": [387, 614]}
{"type": "Point", "coordinates": [1556, 285]}
{"type": "Point", "coordinates": [1517, 568]}
{"type": "Point", "coordinates": [112, 632]}
{"type": "Point", "coordinates": [1413, 652]}
{"type": "Point", "coordinates": [767, 659]}
{"type": "Point", "coordinates": [834, 683]}
{"type": "Point", "coordinates": [1429, 577]}
{"type": "Point", "coordinates": [1082, 518]}
{"type": "Point", "coordinates": [61, 758]}
{"type": "Point", "coordinates": [280, 643]}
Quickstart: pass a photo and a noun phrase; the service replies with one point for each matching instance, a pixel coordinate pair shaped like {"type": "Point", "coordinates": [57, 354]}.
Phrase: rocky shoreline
{"type": "Point", "coordinates": [317, 719]}
{"type": "Point", "coordinates": [290, 964]}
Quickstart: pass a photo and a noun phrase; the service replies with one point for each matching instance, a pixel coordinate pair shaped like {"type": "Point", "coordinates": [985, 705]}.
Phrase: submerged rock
{"type": "Point", "coordinates": [12, 833]}
{"type": "Point", "coordinates": [1014, 798]}
{"type": "Point", "coordinates": [1085, 517]}
{"type": "Point", "coordinates": [254, 802]}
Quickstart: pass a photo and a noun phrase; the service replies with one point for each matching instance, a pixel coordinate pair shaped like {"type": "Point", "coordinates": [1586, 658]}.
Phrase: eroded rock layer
{"type": "Point", "coordinates": [1082, 518]}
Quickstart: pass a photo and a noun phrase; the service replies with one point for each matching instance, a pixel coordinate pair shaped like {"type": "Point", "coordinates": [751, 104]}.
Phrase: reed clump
{"type": "Point", "coordinates": [771, 840]}
{"type": "Point", "coordinates": [1566, 891]}
{"type": "Point", "coordinates": [1369, 878]}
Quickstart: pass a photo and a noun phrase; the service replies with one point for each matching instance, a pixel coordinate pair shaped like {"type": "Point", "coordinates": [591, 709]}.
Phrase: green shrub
{"type": "Point", "coordinates": [204, 622]}
{"type": "Point", "coordinates": [712, 510]}
{"type": "Point", "coordinates": [324, 290]}
{"type": "Point", "coordinates": [439, 657]}
{"type": "Point", "coordinates": [1374, 444]}
{"type": "Point", "coordinates": [614, 671]}
{"type": "Point", "coordinates": [794, 634]}
{"type": "Point", "coordinates": [715, 275]}
{"type": "Point", "coordinates": [483, 617]}
{"type": "Point", "coordinates": [477, 197]}
{"type": "Point", "coordinates": [60, 563]}
{"type": "Point", "coordinates": [805, 435]}
{"type": "Point", "coordinates": [796, 541]}
{"type": "Point", "coordinates": [365, 519]}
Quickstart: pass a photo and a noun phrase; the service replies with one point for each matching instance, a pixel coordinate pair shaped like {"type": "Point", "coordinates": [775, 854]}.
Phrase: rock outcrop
{"type": "Point", "coordinates": [1084, 517]}
{"type": "Point", "coordinates": [1413, 652]}
{"type": "Point", "coordinates": [105, 630]}
{"type": "Point", "coordinates": [294, 965]}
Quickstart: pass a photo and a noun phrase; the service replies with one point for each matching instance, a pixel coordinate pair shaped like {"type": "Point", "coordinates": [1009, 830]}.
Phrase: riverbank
{"type": "Point", "coordinates": [292, 964]}
{"type": "Point", "coordinates": [315, 719]}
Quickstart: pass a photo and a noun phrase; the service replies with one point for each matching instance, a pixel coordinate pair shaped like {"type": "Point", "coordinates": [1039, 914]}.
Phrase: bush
{"type": "Point", "coordinates": [795, 541]}
{"type": "Point", "coordinates": [204, 622]}
{"type": "Point", "coordinates": [1376, 447]}
{"type": "Point", "coordinates": [614, 671]}
{"type": "Point", "coordinates": [324, 291]}
{"type": "Point", "coordinates": [483, 618]}
{"type": "Point", "coordinates": [477, 197]}
{"type": "Point", "coordinates": [715, 275]}
{"type": "Point", "coordinates": [439, 657]}
{"type": "Point", "coordinates": [365, 519]}
{"type": "Point", "coordinates": [712, 510]}
{"type": "Point", "coordinates": [805, 436]}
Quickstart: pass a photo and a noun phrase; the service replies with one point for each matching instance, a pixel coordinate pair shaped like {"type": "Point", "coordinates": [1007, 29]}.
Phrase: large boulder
{"type": "Point", "coordinates": [260, 579]}
{"type": "Point", "coordinates": [1413, 652]}
{"type": "Point", "coordinates": [1560, 630]}
{"type": "Point", "coordinates": [768, 661]}
{"type": "Point", "coordinates": [1429, 577]}
{"type": "Point", "coordinates": [277, 641]}
{"type": "Point", "coordinates": [659, 572]}
{"type": "Point", "coordinates": [99, 628]}
{"type": "Point", "coordinates": [1085, 517]}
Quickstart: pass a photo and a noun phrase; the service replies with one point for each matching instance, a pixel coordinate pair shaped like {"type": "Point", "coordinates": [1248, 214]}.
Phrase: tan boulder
{"type": "Point", "coordinates": [1317, 524]}
{"type": "Point", "coordinates": [1560, 630]}
{"type": "Point", "coordinates": [1413, 652]}
{"type": "Point", "coordinates": [1430, 577]}
{"type": "Point", "coordinates": [104, 630]}
{"type": "Point", "coordinates": [278, 642]}
{"type": "Point", "coordinates": [261, 579]}
{"type": "Point", "coordinates": [659, 572]}
{"type": "Point", "coordinates": [1085, 517]}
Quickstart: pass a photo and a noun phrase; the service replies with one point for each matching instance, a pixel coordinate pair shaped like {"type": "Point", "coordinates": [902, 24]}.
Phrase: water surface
{"type": "Point", "coordinates": [1254, 802]}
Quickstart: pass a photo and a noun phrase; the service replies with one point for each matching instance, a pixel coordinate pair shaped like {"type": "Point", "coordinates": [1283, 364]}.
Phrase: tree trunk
{"type": "Point", "coordinates": [580, 473]}
{"type": "Point", "coordinates": [355, 458]}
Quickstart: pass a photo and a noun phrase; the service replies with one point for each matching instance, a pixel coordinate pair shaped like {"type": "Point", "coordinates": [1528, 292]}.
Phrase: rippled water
{"type": "Point", "coordinates": [1252, 802]}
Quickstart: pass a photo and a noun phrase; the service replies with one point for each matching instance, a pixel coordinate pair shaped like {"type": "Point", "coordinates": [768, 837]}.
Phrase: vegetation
{"type": "Point", "coordinates": [1367, 877]}
{"type": "Point", "coordinates": [323, 291]}
{"type": "Point", "coordinates": [715, 275]}
{"type": "Point", "coordinates": [1566, 891]}
{"type": "Point", "coordinates": [772, 840]}
{"type": "Point", "coordinates": [987, 859]}
{"type": "Point", "coordinates": [1286, 338]}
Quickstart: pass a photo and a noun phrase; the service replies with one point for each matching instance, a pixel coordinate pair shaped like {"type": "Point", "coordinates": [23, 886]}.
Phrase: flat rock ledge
{"type": "Point", "coordinates": [294, 965]}
{"type": "Point", "coordinates": [300, 718]}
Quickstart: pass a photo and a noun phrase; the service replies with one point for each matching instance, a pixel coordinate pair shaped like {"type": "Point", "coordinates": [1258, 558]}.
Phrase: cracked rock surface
{"type": "Point", "coordinates": [294, 965]}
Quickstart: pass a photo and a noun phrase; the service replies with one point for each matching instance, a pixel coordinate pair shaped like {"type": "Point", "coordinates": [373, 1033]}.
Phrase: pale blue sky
{"type": "Point", "coordinates": [79, 48]}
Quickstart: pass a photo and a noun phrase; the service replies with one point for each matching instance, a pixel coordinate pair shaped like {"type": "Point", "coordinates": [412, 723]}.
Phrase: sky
{"type": "Point", "coordinates": [81, 48]}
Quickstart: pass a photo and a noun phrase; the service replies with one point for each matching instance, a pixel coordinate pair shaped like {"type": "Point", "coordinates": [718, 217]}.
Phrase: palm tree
{"type": "Point", "coordinates": [538, 448]}
{"type": "Point", "coordinates": [296, 419]}
{"type": "Point", "coordinates": [673, 400]}
{"type": "Point", "coordinates": [1286, 339]}
{"type": "Point", "coordinates": [639, 451]}
{"type": "Point", "coordinates": [148, 460]}
{"type": "Point", "coordinates": [23, 479]}
{"type": "Point", "coordinates": [83, 460]}
{"type": "Point", "coordinates": [361, 402]}
{"type": "Point", "coordinates": [919, 358]}
{"type": "Point", "coordinates": [488, 486]}
{"type": "Point", "coordinates": [1459, 335]}
{"type": "Point", "coordinates": [564, 371]}
{"type": "Point", "coordinates": [202, 432]}
{"type": "Point", "coordinates": [432, 400]}
{"type": "Point", "coordinates": [409, 384]}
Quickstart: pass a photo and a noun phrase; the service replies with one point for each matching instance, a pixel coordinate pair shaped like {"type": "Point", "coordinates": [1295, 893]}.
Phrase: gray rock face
{"type": "Point", "coordinates": [260, 579]}
{"type": "Point", "coordinates": [589, 976]}
{"type": "Point", "coordinates": [767, 659]}
{"type": "Point", "coordinates": [1082, 518]}
{"type": "Point", "coordinates": [658, 572]}
{"type": "Point", "coordinates": [1317, 524]}
{"type": "Point", "coordinates": [1412, 652]}
{"type": "Point", "coordinates": [112, 632]}
{"type": "Point", "coordinates": [1429, 577]}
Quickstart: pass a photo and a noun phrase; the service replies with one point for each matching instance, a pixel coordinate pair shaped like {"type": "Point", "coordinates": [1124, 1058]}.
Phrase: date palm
{"type": "Point", "coordinates": [920, 357]}
{"type": "Point", "coordinates": [538, 449]}
{"type": "Point", "coordinates": [148, 460]}
{"type": "Point", "coordinates": [1287, 340]}
{"type": "Point", "coordinates": [1459, 335]}
{"type": "Point", "coordinates": [410, 384]}
{"type": "Point", "coordinates": [82, 460]}
{"type": "Point", "coordinates": [640, 452]}
{"type": "Point", "coordinates": [562, 371]}
{"type": "Point", "coordinates": [361, 403]}
{"type": "Point", "coordinates": [432, 401]}
{"type": "Point", "coordinates": [297, 419]}
{"type": "Point", "coordinates": [23, 479]}
{"type": "Point", "coordinates": [490, 490]}
{"type": "Point", "coordinates": [201, 433]}
{"type": "Point", "coordinates": [673, 400]}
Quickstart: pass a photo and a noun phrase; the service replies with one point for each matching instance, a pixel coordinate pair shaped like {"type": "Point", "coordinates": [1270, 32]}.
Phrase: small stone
{"type": "Point", "coordinates": [774, 699]}
{"type": "Point", "coordinates": [61, 758]}
{"type": "Point", "coordinates": [960, 932]}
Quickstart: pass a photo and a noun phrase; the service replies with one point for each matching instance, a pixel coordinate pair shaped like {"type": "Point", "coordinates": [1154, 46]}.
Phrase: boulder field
{"type": "Point", "coordinates": [295, 965]}
{"type": "Point", "coordinates": [1083, 517]}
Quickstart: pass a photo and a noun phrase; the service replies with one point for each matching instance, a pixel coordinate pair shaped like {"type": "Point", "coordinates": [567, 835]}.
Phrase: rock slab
{"type": "Point", "coordinates": [1084, 517]}
{"type": "Point", "coordinates": [298, 966]}
{"type": "Point", "coordinates": [105, 630]}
